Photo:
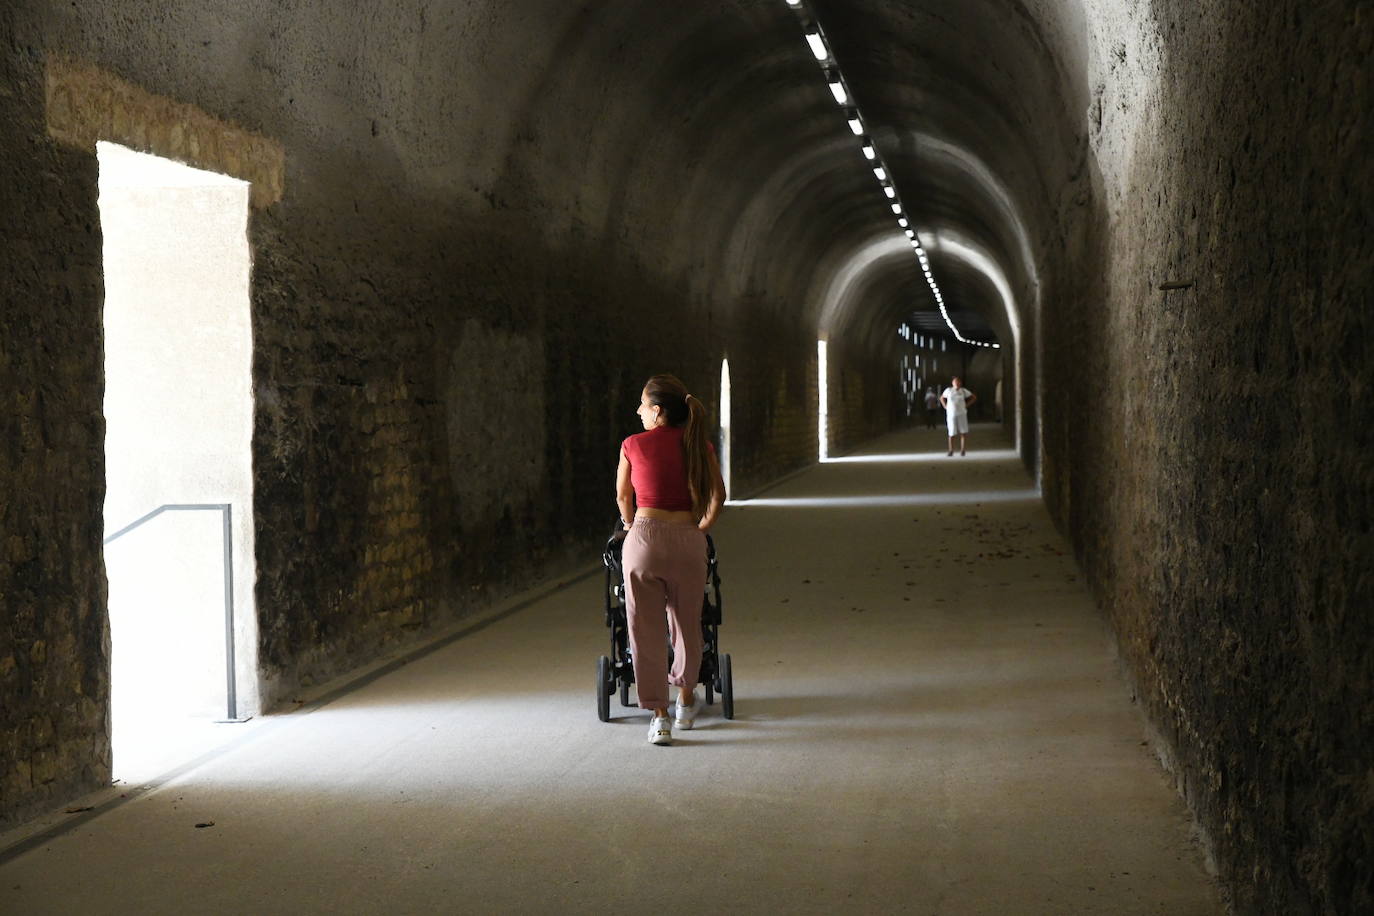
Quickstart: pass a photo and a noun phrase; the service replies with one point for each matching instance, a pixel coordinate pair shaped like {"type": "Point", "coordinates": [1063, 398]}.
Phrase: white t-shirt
{"type": "Point", "coordinates": [955, 400]}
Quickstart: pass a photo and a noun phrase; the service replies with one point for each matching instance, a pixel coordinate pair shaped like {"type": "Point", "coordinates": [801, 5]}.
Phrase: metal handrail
{"type": "Point", "coordinates": [226, 510]}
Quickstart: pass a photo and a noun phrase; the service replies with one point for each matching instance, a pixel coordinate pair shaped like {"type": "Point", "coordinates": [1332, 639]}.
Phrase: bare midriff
{"type": "Point", "coordinates": [666, 515]}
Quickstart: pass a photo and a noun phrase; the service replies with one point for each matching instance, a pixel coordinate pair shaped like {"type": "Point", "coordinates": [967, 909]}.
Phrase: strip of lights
{"type": "Point", "coordinates": [820, 49]}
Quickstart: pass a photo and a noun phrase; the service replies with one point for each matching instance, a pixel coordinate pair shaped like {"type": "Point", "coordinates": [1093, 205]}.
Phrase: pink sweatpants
{"type": "Point", "coordinates": [665, 577]}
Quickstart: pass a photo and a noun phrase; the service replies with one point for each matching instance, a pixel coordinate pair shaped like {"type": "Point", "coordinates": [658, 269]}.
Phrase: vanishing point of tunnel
{"type": "Point", "coordinates": [323, 324]}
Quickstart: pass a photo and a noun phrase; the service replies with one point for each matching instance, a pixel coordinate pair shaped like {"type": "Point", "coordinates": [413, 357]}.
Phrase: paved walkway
{"type": "Point", "coordinates": [928, 721]}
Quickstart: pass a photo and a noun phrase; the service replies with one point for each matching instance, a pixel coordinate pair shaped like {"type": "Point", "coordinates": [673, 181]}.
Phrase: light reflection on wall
{"type": "Point", "coordinates": [823, 407]}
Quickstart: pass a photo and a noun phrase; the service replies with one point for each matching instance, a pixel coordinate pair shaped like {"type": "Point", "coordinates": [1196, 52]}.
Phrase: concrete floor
{"type": "Point", "coordinates": [928, 721]}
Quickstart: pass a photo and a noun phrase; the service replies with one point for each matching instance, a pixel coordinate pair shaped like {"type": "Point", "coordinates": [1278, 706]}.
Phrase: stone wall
{"type": "Point", "coordinates": [54, 635]}
{"type": "Point", "coordinates": [774, 395]}
{"type": "Point", "coordinates": [1216, 475]}
{"type": "Point", "coordinates": [865, 397]}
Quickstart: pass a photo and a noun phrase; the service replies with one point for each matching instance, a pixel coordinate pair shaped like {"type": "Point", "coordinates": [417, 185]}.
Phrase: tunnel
{"type": "Point", "coordinates": [1138, 230]}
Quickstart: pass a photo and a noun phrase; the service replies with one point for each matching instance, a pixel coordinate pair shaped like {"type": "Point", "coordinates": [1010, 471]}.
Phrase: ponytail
{"type": "Point", "coordinates": [694, 442]}
{"type": "Point", "coordinates": [681, 408]}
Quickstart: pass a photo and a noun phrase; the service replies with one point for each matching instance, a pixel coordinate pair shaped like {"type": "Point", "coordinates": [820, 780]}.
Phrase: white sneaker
{"type": "Point", "coordinates": [687, 715]}
{"type": "Point", "coordinates": [661, 730]}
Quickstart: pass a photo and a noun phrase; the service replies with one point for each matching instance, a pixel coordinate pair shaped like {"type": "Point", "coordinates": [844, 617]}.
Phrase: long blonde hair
{"type": "Point", "coordinates": [681, 408]}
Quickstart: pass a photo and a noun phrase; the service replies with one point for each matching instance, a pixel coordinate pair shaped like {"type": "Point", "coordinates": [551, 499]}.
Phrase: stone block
{"type": "Point", "coordinates": [19, 780]}
{"type": "Point", "coordinates": [47, 767]}
{"type": "Point", "coordinates": [40, 731]}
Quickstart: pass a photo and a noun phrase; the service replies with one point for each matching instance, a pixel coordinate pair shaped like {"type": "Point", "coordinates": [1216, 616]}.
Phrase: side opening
{"type": "Point", "coordinates": [724, 446]}
{"type": "Point", "coordinates": [178, 412]}
{"type": "Point", "coordinates": [823, 403]}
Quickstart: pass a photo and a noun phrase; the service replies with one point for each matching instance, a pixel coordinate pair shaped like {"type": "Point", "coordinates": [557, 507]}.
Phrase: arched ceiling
{"type": "Point", "coordinates": [705, 135]}
{"type": "Point", "coordinates": [966, 104]}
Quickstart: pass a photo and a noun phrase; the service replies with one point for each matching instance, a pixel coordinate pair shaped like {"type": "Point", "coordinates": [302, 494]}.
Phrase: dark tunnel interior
{"type": "Point", "coordinates": [467, 212]}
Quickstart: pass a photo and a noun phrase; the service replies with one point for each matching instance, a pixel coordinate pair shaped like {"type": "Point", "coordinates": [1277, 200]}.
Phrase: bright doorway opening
{"type": "Point", "coordinates": [823, 403]}
{"type": "Point", "coordinates": [179, 413]}
{"type": "Point", "coordinates": [724, 445]}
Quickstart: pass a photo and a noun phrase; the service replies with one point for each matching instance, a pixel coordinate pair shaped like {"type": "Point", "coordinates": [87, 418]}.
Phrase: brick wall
{"type": "Point", "coordinates": [865, 397]}
{"type": "Point", "coordinates": [774, 396]}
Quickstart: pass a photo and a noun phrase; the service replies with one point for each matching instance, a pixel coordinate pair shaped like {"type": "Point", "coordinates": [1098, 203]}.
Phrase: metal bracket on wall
{"type": "Point", "coordinates": [226, 511]}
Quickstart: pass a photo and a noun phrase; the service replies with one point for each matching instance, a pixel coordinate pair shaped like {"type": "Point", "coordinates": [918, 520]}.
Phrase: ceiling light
{"type": "Point", "coordinates": [817, 44]}
{"type": "Point", "coordinates": [821, 50]}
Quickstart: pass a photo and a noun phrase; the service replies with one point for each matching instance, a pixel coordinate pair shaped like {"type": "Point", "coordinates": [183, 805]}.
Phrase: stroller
{"type": "Point", "coordinates": [617, 671]}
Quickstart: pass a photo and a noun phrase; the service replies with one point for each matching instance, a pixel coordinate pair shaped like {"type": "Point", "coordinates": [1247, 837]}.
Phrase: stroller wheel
{"type": "Point", "coordinates": [710, 697]}
{"type": "Point", "coordinates": [605, 681]}
{"type": "Point", "coordinates": [727, 688]}
{"type": "Point", "coordinates": [625, 694]}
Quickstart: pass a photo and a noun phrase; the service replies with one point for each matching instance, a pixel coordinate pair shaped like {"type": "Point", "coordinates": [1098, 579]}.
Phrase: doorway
{"type": "Point", "coordinates": [178, 413]}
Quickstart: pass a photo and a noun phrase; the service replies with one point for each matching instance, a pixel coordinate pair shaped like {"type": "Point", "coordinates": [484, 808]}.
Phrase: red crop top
{"type": "Point", "coordinates": [658, 469]}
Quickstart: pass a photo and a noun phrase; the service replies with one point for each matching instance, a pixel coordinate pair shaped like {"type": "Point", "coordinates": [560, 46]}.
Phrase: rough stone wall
{"type": "Point", "coordinates": [774, 396]}
{"type": "Point", "coordinates": [865, 398]}
{"type": "Point", "coordinates": [54, 635]}
{"type": "Point", "coordinates": [1215, 474]}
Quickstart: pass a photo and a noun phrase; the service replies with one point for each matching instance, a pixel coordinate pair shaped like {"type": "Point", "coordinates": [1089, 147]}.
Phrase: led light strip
{"type": "Point", "coordinates": [820, 49]}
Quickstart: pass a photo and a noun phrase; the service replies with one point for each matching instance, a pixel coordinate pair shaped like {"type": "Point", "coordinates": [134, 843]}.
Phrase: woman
{"type": "Point", "coordinates": [670, 493]}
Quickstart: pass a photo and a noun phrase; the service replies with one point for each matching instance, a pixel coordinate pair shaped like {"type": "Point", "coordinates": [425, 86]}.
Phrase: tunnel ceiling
{"type": "Point", "coordinates": [963, 102]}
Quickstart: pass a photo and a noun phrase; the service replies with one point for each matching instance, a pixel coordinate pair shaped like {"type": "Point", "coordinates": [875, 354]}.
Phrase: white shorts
{"type": "Point", "coordinates": [958, 423]}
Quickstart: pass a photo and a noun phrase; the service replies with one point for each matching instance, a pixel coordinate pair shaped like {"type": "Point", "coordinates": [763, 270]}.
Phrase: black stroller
{"type": "Point", "coordinates": [618, 671]}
